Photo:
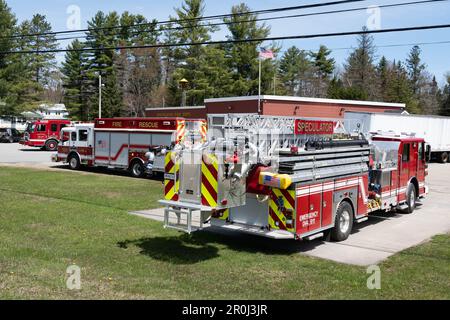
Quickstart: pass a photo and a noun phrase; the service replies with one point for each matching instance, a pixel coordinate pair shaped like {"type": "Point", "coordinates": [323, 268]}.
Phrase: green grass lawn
{"type": "Point", "coordinates": [50, 220]}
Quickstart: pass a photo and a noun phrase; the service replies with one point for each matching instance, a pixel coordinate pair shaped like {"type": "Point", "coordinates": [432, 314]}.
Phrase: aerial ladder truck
{"type": "Point", "coordinates": [287, 177]}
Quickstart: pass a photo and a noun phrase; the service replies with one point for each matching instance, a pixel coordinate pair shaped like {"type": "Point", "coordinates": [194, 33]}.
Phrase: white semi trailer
{"type": "Point", "coordinates": [434, 129]}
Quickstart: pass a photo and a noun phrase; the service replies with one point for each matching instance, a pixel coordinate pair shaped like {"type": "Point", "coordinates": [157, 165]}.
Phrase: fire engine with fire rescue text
{"type": "Point", "coordinates": [134, 144]}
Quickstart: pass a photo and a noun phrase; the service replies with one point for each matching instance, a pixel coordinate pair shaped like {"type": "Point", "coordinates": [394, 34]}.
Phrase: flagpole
{"type": "Point", "coordinates": [259, 87]}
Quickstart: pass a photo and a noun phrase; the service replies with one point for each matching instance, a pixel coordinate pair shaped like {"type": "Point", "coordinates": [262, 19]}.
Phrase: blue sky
{"type": "Point", "coordinates": [437, 57]}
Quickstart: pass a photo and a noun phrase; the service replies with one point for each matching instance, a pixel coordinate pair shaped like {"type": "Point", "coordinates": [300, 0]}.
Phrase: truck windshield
{"type": "Point", "coordinates": [386, 153]}
{"type": "Point", "coordinates": [30, 127]}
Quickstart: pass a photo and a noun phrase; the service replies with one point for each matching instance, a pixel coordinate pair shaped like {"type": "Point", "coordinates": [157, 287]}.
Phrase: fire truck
{"type": "Point", "coordinates": [134, 144]}
{"type": "Point", "coordinates": [44, 133]}
{"type": "Point", "coordinates": [290, 178]}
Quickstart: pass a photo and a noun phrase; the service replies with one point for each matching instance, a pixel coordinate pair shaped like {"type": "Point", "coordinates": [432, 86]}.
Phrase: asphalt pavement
{"type": "Point", "coordinates": [14, 153]}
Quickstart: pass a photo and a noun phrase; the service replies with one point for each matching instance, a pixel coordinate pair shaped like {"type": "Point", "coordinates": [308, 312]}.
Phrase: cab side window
{"type": "Point", "coordinates": [73, 136]}
{"type": "Point", "coordinates": [406, 151]}
{"type": "Point", "coordinates": [54, 127]}
{"type": "Point", "coordinates": [82, 135]}
{"type": "Point", "coordinates": [41, 128]}
{"type": "Point", "coordinates": [421, 151]}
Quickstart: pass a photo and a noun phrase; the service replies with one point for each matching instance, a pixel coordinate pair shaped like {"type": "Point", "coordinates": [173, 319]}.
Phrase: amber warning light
{"type": "Point", "coordinates": [314, 127]}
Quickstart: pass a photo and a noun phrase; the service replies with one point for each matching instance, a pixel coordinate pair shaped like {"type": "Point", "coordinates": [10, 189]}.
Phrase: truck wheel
{"type": "Point", "coordinates": [51, 145]}
{"type": "Point", "coordinates": [443, 157]}
{"type": "Point", "coordinates": [11, 140]}
{"type": "Point", "coordinates": [74, 162]}
{"type": "Point", "coordinates": [137, 169]}
{"type": "Point", "coordinates": [343, 223]}
{"type": "Point", "coordinates": [411, 198]}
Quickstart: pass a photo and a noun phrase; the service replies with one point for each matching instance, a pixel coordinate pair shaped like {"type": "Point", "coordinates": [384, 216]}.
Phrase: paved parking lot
{"type": "Point", "coordinates": [19, 154]}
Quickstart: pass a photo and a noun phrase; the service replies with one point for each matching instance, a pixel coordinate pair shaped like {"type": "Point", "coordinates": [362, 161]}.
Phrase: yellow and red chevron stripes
{"type": "Point", "coordinates": [282, 209]}
{"type": "Point", "coordinates": [171, 180]}
{"type": "Point", "coordinates": [204, 131]}
{"type": "Point", "coordinates": [210, 185]}
{"type": "Point", "coordinates": [181, 130]}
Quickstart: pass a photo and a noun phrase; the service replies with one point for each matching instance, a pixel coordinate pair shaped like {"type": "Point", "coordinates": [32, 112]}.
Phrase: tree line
{"type": "Point", "coordinates": [135, 79]}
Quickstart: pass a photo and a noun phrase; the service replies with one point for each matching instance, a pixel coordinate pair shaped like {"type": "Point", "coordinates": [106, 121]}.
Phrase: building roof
{"type": "Point", "coordinates": [175, 108]}
{"type": "Point", "coordinates": [305, 99]}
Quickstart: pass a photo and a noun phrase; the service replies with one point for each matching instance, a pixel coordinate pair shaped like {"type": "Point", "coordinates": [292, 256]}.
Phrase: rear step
{"type": "Point", "coordinates": [185, 217]}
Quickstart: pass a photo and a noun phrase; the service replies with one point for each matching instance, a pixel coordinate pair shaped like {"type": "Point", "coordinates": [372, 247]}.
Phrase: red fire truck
{"type": "Point", "coordinates": [44, 133]}
{"type": "Point", "coordinates": [134, 144]}
{"type": "Point", "coordinates": [285, 177]}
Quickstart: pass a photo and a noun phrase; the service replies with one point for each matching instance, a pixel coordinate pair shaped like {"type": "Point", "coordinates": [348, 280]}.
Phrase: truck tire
{"type": "Point", "coordinates": [343, 222]}
{"type": "Point", "coordinates": [137, 169]}
{"type": "Point", "coordinates": [411, 198]}
{"type": "Point", "coordinates": [74, 162]}
{"type": "Point", "coordinates": [51, 145]}
{"type": "Point", "coordinates": [443, 157]}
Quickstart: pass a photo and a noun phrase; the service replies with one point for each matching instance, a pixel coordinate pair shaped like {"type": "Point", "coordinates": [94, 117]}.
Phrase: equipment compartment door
{"type": "Point", "coordinates": [102, 140]}
{"type": "Point", "coordinates": [327, 204]}
{"type": "Point", "coordinates": [119, 149]}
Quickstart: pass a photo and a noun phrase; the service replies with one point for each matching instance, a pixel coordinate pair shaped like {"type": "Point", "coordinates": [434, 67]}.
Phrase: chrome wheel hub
{"type": "Point", "coordinates": [344, 221]}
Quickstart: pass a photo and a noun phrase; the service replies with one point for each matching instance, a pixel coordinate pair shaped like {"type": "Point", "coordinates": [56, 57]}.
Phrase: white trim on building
{"type": "Point", "coordinates": [305, 99]}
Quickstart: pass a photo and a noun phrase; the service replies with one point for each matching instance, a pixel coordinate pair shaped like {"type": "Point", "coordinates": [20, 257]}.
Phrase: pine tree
{"type": "Point", "coordinates": [103, 34]}
{"type": "Point", "coordinates": [188, 59]}
{"type": "Point", "coordinates": [243, 61]}
{"type": "Point", "coordinates": [41, 64]}
{"type": "Point", "coordinates": [75, 77]}
{"type": "Point", "coordinates": [8, 66]}
{"type": "Point", "coordinates": [139, 71]}
{"type": "Point", "coordinates": [383, 76]}
{"type": "Point", "coordinates": [359, 68]}
{"type": "Point", "coordinates": [445, 105]}
{"type": "Point", "coordinates": [323, 68]}
{"type": "Point", "coordinates": [294, 70]}
{"type": "Point", "coordinates": [415, 69]}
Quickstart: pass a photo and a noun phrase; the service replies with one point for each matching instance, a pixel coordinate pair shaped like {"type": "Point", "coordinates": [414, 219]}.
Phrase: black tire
{"type": "Point", "coordinates": [343, 222]}
{"type": "Point", "coordinates": [11, 140]}
{"type": "Point", "coordinates": [443, 157]}
{"type": "Point", "coordinates": [74, 162]}
{"type": "Point", "coordinates": [51, 145]}
{"type": "Point", "coordinates": [137, 169]}
{"type": "Point", "coordinates": [411, 198]}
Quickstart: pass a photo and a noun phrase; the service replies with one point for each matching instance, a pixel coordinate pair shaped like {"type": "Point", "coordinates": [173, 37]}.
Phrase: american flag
{"type": "Point", "coordinates": [266, 54]}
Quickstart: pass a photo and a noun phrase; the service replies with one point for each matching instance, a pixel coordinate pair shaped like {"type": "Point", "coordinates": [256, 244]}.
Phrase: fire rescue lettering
{"type": "Point", "coordinates": [148, 125]}
{"type": "Point", "coordinates": [314, 127]}
{"type": "Point", "coordinates": [117, 124]}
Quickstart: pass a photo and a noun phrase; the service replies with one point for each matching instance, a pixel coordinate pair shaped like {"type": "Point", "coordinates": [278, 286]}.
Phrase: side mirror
{"type": "Point", "coordinates": [428, 153]}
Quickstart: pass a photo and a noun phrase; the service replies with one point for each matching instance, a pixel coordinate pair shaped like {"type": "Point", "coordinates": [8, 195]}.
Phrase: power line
{"type": "Point", "coordinates": [382, 46]}
{"type": "Point", "coordinates": [280, 17]}
{"type": "Point", "coordinates": [206, 18]}
{"type": "Point", "coordinates": [307, 36]}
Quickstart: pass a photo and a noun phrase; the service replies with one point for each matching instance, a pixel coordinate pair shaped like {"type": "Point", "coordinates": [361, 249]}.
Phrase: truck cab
{"type": "Point", "coordinates": [44, 134]}
{"type": "Point", "coordinates": [398, 171]}
{"type": "Point", "coordinates": [76, 146]}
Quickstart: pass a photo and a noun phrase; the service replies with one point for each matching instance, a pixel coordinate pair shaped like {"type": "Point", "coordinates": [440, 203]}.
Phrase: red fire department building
{"type": "Point", "coordinates": [278, 106]}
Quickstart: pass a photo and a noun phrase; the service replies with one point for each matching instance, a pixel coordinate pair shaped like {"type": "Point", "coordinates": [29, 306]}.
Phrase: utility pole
{"type": "Point", "coordinates": [259, 86]}
{"type": "Point", "coordinates": [99, 95]}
